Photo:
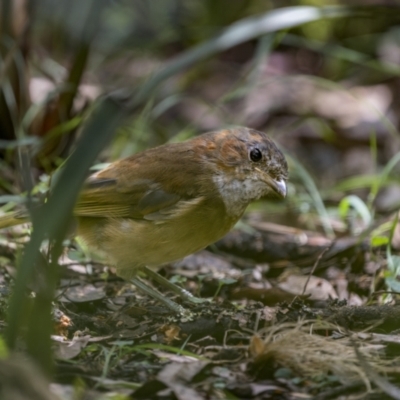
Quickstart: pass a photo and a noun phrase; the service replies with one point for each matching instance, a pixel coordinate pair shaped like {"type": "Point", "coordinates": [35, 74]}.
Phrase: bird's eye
{"type": "Point", "coordinates": [255, 155]}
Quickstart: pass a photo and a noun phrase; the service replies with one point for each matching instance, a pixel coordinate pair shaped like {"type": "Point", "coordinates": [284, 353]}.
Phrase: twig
{"type": "Point", "coordinates": [314, 268]}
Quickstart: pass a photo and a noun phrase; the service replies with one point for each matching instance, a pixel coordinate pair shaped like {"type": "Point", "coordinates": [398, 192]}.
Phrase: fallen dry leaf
{"type": "Point", "coordinates": [317, 288]}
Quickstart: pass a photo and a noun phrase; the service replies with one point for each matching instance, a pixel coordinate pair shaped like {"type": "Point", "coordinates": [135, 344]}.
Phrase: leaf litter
{"type": "Point", "coordinates": [122, 342]}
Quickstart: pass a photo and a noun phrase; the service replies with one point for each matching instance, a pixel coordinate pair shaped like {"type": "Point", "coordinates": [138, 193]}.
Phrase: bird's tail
{"type": "Point", "coordinates": [13, 218]}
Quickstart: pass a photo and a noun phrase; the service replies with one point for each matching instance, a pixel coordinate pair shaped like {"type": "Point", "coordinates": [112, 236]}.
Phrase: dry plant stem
{"type": "Point", "coordinates": [314, 268]}
{"type": "Point", "coordinates": [176, 308]}
{"type": "Point", "coordinates": [342, 390]}
{"type": "Point", "coordinates": [184, 294]}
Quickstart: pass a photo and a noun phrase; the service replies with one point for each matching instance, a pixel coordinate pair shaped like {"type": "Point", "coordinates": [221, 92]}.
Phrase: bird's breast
{"type": "Point", "coordinates": [131, 243]}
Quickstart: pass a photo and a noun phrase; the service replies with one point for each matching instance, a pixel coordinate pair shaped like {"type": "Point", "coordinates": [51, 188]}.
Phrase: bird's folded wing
{"type": "Point", "coordinates": [143, 199]}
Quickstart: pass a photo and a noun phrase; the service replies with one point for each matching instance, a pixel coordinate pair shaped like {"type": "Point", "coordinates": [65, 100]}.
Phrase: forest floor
{"type": "Point", "coordinates": [273, 328]}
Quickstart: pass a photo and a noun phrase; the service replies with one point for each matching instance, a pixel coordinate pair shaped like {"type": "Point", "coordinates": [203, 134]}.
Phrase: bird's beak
{"type": "Point", "coordinates": [278, 186]}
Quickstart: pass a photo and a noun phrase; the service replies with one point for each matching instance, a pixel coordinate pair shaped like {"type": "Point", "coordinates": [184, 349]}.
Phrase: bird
{"type": "Point", "coordinates": [167, 202]}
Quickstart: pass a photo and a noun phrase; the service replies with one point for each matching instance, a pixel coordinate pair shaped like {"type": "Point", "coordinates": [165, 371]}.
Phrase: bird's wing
{"type": "Point", "coordinates": [142, 199]}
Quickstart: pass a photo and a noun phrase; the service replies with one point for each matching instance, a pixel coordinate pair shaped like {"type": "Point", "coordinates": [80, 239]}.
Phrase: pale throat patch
{"type": "Point", "coordinates": [237, 194]}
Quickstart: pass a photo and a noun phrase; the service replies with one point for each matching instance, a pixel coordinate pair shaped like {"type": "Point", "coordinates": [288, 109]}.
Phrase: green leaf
{"type": "Point", "coordinates": [314, 194]}
{"type": "Point", "coordinates": [377, 241]}
{"type": "Point", "coordinates": [393, 284]}
{"type": "Point", "coordinates": [228, 281]}
{"type": "Point", "coordinates": [3, 348]}
{"type": "Point", "coordinates": [359, 206]}
{"type": "Point", "coordinates": [394, 264]}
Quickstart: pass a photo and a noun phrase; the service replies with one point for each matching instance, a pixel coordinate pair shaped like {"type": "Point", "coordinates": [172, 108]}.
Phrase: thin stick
{"type": "Point", "coordinates": [314, 268]}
